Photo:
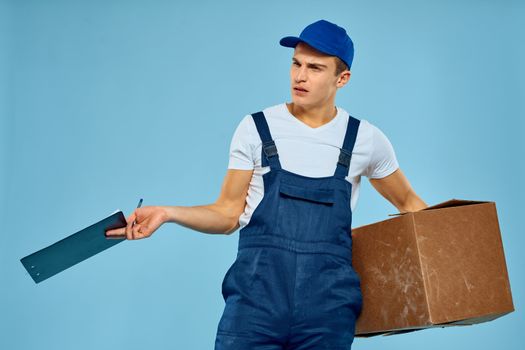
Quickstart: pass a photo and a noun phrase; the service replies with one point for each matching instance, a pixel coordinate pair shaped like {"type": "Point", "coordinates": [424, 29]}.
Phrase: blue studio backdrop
{"type": "Point", "coordinates": [104, 102]}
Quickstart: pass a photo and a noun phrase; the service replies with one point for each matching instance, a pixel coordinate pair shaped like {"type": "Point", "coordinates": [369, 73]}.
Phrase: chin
{"type": "Point", "coordinates": [300, 102]}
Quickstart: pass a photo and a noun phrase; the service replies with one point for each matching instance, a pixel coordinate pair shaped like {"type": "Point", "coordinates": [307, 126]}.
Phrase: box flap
{"type": "Point", "coordinates": [447, 204]}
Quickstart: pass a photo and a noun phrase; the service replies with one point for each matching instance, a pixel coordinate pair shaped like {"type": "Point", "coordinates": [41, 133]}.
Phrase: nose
{"type": "Point", "coordinates": [300, 74]}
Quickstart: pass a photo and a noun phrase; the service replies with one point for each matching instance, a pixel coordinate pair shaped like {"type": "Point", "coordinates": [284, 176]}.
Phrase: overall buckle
{"type": "Point", "coordinates": [344, 157]}
{"type": "Point", "coordinates": [269, 149]}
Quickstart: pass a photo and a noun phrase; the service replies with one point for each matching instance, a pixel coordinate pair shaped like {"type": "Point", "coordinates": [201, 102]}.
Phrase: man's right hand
{"type": "Point", "coordinates": [147, 220]}
{"type": "Point", "coordinates": [219, 217]}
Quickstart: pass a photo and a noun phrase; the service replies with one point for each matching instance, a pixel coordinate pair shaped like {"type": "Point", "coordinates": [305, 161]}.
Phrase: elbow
{"type": "Point", "coordinates": [232, 219]}
{"type": "Point", "coordinates": [229, 217]}
{"type": "Point", "coordinates": [232, 227]}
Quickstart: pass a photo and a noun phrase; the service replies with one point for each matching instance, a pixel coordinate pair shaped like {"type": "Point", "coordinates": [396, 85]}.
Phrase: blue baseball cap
{"type": "Point", "coordinates": [326, 37]}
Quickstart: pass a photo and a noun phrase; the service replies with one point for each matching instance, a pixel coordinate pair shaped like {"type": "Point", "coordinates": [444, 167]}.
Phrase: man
{"type": "Point", "coordinates": [292, 183]}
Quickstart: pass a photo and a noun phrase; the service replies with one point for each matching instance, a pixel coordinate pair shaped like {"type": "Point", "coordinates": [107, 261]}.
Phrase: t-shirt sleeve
{"type": "Point", "coordinates": [241, 146]}
{"type": "Point", "coordinates": [383, 161]}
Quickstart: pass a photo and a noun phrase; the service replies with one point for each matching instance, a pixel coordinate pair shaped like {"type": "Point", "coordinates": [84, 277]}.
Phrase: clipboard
{"type": "Point", "coordinates": [73, 249]}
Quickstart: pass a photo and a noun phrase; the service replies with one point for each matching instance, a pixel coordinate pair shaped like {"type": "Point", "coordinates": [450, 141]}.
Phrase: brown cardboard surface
{"type": "Point", "coordinates": [440, 266]}
{"type": "Point", "coordinates": [388, 263]}
{"type": "Point", "coordinates": [453, 203]}
{"type": "Point", "coordinates": [446, 204]}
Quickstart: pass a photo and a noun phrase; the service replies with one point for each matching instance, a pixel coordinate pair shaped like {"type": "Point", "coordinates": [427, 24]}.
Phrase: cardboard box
{"type": "Point", "coordinates": [441, 266]}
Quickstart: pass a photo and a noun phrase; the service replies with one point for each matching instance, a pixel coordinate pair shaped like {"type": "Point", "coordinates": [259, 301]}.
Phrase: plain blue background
{"type": "Point", "coordinates": [104, 102]}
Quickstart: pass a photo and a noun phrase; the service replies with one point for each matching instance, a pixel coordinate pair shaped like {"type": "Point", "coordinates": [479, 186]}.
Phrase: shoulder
{"type": "Point", "coordinates": [274, 111]}
{"type": "Point", "coordinates": [277, 115]}
{"type": "Point", "coordinates": [368, 132]}
{"type": "Point", "coordinates": [365, 133]}
{"type": "Point", "coordinates": [373, 140]}
{"type": "Point", "coordinates": [377, 136]}
{"type": "Point", "coordinates": [247, 130]}
{"type": "Point", "coordinates": [365, 127]}
{"type": "Point", "coordinates": [246, 124]}
{"type": "Point", "coordinates": [378, 152]}
{"type": "Point", "coordinates": [274, 115]}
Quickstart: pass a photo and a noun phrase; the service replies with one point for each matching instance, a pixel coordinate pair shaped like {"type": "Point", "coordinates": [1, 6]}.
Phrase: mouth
{"type": "Point", "coordinates": [299, 89]}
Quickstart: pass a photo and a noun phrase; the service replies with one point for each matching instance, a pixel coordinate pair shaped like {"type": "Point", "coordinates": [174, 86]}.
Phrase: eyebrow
{"type": "Point", "coordinates": [311, 65]}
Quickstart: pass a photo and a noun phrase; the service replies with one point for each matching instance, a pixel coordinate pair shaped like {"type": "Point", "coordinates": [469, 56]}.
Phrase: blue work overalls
{"type": "Point", "coordinates": [292, 285]}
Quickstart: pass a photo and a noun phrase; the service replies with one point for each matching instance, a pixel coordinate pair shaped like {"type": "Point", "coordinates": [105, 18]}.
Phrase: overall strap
{"type": "Point", "coordinates": [269, 155]}
{"type": "Point", "coordinates": [345, 155]}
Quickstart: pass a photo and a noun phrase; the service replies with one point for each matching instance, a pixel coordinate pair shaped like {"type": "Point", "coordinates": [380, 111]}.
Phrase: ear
{"type": "Point", "coordinates": [344, 77]}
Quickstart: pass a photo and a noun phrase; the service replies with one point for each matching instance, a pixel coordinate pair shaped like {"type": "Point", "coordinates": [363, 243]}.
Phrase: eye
{"type": "Point", "coordinates": [296, 63]}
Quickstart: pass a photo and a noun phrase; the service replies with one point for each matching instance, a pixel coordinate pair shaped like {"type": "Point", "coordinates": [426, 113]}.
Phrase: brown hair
{"type": "Point", "coordinates": [340, 66]}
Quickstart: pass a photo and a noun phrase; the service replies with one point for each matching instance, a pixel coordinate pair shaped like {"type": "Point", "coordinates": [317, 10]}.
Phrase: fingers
{"type": "Point", "coordinates": [136, 230]}
{"type": "Point", "coordinates": [139, 231]}
{"type": "Point", "coordinates": [122, 232]}
{"type": "Point", "coordinates": [118, 233]}
{"type": "Point", "coordinates": [129, 226]}
{"type": "Point", "coordinates": [132, 217]}
{"type": "Point", "coordinates": [136, 227]}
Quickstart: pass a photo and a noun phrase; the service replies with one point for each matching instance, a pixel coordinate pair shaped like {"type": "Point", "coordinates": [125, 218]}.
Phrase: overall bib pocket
{"type": "Point", "coordinates": [325, 196]}
{"type": "Point", "coordinates": [304, 213]}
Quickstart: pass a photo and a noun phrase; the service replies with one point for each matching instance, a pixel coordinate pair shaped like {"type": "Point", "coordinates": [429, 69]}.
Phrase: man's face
{"type": "Point", "coordinates": [312, 77]}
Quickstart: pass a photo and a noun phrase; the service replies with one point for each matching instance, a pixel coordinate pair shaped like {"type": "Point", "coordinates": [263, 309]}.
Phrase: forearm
{"type": "Point", "coordinates": [398, 191]}
{"type": "Point", "coordinates": [204, 218]}
{"type": "Point", "coordinates": [412, 202]}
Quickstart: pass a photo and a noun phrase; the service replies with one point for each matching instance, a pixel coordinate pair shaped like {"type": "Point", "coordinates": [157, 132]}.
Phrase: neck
{"type": "Point", "coordinates": [314, 116]}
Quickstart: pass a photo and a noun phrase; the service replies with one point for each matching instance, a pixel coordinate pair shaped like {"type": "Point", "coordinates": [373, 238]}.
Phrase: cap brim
{"type": "Point", "coordinates": [289, 41]}
{"type": "Point", "coordinates": [292, 41]}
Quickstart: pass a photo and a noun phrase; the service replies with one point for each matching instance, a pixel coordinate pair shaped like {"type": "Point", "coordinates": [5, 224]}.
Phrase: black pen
{"type": "Point", "coordinates": [138, 206]}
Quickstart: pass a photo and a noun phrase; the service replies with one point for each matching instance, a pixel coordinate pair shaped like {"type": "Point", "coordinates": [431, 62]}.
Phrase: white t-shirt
{"type": "Point", "coordinates": [308, 151]}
